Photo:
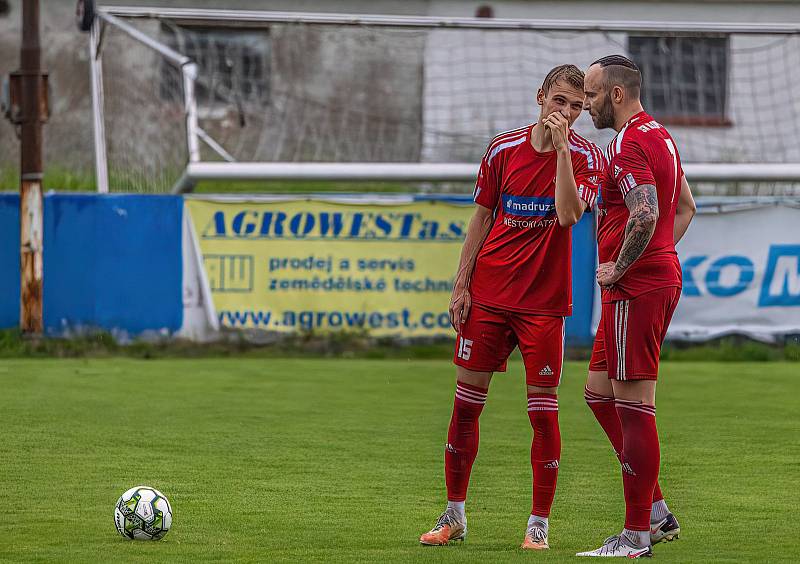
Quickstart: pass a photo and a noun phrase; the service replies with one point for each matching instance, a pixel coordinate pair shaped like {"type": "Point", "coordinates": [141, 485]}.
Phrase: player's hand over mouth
{"type": "Point", "coordinates": [558, 126]}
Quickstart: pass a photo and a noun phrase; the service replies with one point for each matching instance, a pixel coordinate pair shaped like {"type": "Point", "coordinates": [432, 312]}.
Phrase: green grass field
{"type": "Point", "coordinates": [341, 460]}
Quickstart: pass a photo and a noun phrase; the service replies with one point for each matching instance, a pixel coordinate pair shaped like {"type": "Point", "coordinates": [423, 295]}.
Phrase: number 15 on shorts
{"type": "Point", "coordinates": [464, 348]}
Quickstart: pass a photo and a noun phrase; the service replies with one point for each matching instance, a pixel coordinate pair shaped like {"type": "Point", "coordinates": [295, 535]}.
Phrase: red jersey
{"type": "Point", "coordinates": [525, 264]}
{"type": "Point", "coordinates": [643, 152]}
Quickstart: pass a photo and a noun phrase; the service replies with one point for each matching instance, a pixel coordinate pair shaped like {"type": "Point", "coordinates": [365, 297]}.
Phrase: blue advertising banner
{"type": "Point", "coordinates": [110, 261]}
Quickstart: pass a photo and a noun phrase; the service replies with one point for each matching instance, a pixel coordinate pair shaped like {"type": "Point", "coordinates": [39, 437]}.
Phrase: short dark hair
{"type": "Point", "coordinates": [619, 70]}
{"type": "Point", "coordinates": [570, 74]}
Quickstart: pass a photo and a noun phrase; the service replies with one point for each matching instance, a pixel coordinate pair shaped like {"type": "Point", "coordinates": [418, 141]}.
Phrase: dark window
{"type": "Point", "coordinates": [484, 11]}
{"type": "Point", "coordinates": [4, 9]}
{"type": "Point", "coordinates": [684, 78]}
{"type": "Point", "coordinates": [234, 64]}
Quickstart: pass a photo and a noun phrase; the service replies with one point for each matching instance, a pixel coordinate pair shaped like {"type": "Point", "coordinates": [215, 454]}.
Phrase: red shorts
{"type": "Point", "coordinates": [489, 336]}
{"type": "Point", "coordinates": [638, 327]}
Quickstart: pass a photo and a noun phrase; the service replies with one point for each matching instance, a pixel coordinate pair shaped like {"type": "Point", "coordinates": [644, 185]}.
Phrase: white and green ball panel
{"type": "Point", "coordinates": [143, 513]}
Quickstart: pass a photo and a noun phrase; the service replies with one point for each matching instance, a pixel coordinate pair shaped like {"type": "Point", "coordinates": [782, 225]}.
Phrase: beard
{"type": "Point", "coordinates": [605, 115]}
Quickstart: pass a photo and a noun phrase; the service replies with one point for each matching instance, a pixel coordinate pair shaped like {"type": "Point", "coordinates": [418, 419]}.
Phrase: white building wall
{"type": "Point", "coordinates": [493, 78]}
{"type": "Point", "coordinates": [478, 83]}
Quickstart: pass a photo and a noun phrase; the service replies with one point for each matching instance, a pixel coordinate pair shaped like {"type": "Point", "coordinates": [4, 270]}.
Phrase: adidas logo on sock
{"type": "Point", "coordinates": [546, 371]}
{"type": "Point", "coordinates": [553, 464]}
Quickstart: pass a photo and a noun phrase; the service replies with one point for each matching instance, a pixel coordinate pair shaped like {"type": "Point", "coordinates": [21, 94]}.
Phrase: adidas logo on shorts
{"type": "Point", "coordinates": [546, 371]}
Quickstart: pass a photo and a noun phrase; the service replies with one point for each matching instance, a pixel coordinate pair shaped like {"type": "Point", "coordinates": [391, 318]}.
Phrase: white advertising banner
{"type": "Point", "coordinates": [741, 272]}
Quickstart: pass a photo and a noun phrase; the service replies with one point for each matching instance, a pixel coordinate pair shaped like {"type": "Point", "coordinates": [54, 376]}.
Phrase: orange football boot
{"type": "Point", "coordinates": [448, 528]}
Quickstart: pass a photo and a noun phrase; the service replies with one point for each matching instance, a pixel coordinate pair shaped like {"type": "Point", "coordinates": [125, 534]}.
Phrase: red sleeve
{"type": "Point", "coordinates": [630, 168]}
{"type": "Point", "coordinates": [487, 188]}
{"type": "Point", "coordinates": [588, 170]}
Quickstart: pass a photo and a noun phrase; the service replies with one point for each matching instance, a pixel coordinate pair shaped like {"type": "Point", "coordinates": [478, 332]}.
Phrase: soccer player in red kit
{"type": "Point", "coordinates": [645, 208]}
{"type": "Point", "coordinates": [513, 288]}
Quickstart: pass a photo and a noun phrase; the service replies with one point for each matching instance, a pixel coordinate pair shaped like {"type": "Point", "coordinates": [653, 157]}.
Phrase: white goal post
{"type": "Point", "coordinates": [193, 165]}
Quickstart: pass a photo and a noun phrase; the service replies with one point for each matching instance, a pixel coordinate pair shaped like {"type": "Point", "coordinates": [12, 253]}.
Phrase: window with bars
{"type": "Point", "coordinates": [684, 78]}
{"type": "Point", "coordinates": [234, 64]}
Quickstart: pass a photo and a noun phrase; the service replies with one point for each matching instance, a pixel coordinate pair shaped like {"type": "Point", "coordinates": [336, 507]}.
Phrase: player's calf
{"type": "Point", "coordinates": [604, 409]}
{"type": "Point", "coordinates": [462, 439]}
{"type": "Point", "coordinates": [459, 456]}
{"type": "Point", "coordinates": [545, 456]}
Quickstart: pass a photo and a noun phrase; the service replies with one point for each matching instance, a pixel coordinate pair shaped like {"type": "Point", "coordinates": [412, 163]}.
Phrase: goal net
{"type": "Point", "coordinates": [185, 95]}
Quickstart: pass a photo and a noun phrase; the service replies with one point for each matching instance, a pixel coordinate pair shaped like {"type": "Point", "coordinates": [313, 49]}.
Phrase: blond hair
{"type": "Point", "coordinates": [569, 74]}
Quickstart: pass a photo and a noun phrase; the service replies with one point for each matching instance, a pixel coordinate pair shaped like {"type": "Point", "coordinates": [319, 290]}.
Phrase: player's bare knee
{"type": "Point", "coordinates": [635, 390]}
{"type": "Point", "coordinates": [598, 383]}
{"type": "Point", "coordinates": [473, 378]}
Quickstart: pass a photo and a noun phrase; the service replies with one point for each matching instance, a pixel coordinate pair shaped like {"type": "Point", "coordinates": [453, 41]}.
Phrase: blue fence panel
{"type": "Point", "coordinates": [70, 261]}
{"type": "Point", "coordinates": [584, 258]}
{"type": "Point", "coordinates": [9, 260]}
{"type": "Point", "coordinates": [111, 261]}
{"type": "Point", "coordinates": [140, 238]}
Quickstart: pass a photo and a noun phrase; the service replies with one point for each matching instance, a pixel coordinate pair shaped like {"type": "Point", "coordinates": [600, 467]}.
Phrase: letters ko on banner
{"type": "Point", "coordinates": [741, 274]}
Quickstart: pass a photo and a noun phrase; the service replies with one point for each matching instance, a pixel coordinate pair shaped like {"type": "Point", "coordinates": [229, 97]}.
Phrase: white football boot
{"type": "Point", "coordinates": [618, 547]}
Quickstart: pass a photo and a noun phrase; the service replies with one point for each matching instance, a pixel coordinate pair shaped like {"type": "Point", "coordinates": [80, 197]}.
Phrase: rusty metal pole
{"type": "Point", "coordinates": [34, 111]}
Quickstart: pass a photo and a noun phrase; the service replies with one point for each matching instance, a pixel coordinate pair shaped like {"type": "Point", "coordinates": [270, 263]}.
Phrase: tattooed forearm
{"type": "Point", "coordinates": [642, 203]}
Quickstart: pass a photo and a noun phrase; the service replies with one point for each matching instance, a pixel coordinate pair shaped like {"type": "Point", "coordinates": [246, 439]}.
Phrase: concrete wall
{"type": "Point", "coordinates": [68, 137]}
{"type": "Point", "coordinates": [328, 87]}
{"type": "Point", "coordinates": [394, 95]}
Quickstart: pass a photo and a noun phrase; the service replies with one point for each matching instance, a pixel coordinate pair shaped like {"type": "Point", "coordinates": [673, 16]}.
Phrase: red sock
{"type": "Point", "coordinates": [462, 439]}
{"type": "Point", "coordinates": [640, 460]}
{"type": "Point", "coordinates": [545, 450]}
{"type": "Point", "coordinates": [606, 414]}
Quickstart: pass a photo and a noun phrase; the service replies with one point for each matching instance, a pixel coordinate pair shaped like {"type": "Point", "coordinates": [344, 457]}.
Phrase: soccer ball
{"type": "Point", "coordinates": [143, 513]}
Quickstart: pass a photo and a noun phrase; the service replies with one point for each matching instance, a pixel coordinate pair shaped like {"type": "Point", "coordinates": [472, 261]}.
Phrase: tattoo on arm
{"type": "Point", "coordinates": [642, 204]}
